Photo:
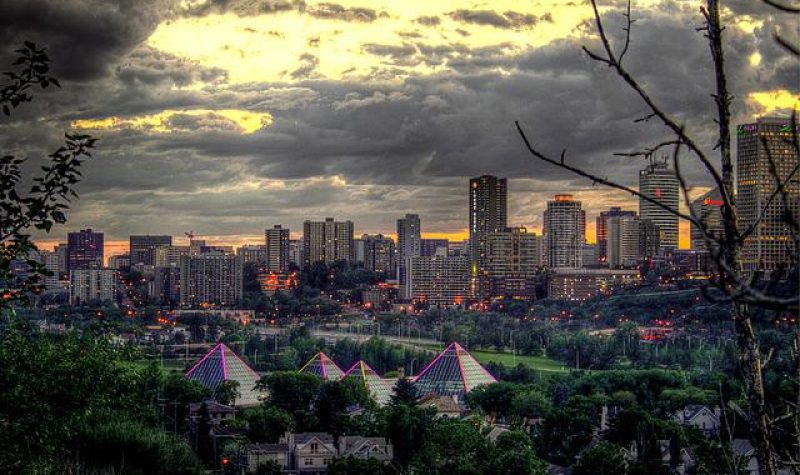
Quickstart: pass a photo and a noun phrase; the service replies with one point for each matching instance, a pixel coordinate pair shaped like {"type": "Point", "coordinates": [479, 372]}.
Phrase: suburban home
{"type": "Point", "coordinates": [312, 452]}
{"type": "Point", "coordinates": [217, 413]}
{"type": "Point", "coordinates": [365, 448]}
{"type": "Point", "coordinates": [447, 407]}
{"type": "Point", "coordinates": [702, 418]}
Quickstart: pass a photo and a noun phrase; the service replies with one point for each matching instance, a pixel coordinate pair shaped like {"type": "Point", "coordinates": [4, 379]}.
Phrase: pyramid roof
{"type": "Point", "coordinates": [322, 366]}
{"type": "Point", "coordinates": [377, 388]}
{"type": "Point", "coordinates": [453, 372]}
{"type": "Point", "coordinates": [221, 364]}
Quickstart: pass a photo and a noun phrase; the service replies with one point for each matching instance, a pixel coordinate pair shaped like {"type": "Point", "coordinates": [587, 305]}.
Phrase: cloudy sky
{"type": "Point", "coordinates": [227, 116]}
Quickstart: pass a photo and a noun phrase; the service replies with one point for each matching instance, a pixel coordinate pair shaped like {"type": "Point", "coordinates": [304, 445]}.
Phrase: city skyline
{"type": "Point", "coordinates": [364, 110]}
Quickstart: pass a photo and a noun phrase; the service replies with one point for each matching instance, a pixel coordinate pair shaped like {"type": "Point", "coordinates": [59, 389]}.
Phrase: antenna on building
{"type": "Point", "coordinates": [189, 234]}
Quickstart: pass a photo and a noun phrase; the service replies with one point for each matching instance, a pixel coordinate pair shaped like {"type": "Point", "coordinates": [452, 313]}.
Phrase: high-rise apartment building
{"type": "Point", "coordinates": [488, 213]}
{"type": "Point", "coordinates": [708, 208]}
{"type": "Point", "coordinates": [439, 280]}
{"type": "Point", "coordinates": [328, 241]}
{"type": "Point", "coordinates": [602, 230]}
{"type": "Point", "coordinates": [649, 240]}
{"type": "Point", "coordinates": [770, 246]}
{"type": "Point", "coordinates": [90, 285]}
{"type": "Point", "coordinates": [85, 250]}
{"type": "Point", "coordinates": [622, 246]}
{"type": "Point", "coordinates": [50, 260]}
{"type": "Point", "coordinates": [252, 253]}
{"type": "Point", "coordinates": [660, 183]}
{"type": "Point", "coordinates": [166, 256]}
{"type": "Point", "coordinates": [379, 254]}
{"type": "Point", "coordinates": [212, 277]}
{"type": "Point", "coordinates": [119, 261]}
{"type": "Point", "coordinates": [296, 252]}
{"type": "Point", "coordinates": [564, 232]}
{"type": "Point", "coordinates": [143, 248]}
{"type": "Point", "coordinates": [277, 241]}
{"type": "Point", "coordinates": [409, 245]}
{"type": "Point", "coordinates": [513, 257]}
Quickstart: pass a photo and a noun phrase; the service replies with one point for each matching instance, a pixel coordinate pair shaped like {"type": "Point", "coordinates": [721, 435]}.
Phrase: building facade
{"type": "Point", "coordinates": [92, 285]}
{"type": "Point", "coordinates": [513, 258]}
{"type": "Point", "coordinates": [564, 232]}
{"type": "Point", "coordinates": [379, 254]}
{"type": "Point", "coordinates": [409, 245]}
{"type": "Point", "coordinates": [328, 241]}
{"type": "Point", "coordinates": [770, 245]}
{"type": "Point", "coordinates": [434, 247]}
{"type": "Point", "coordinates": [85, 250]}
{"type": "Point", "coordinates": [660, 183]}
{"type": "Point", "coordinates": [622, 242]}
{"type": "Point", "coordinates": [602, 230]}
{"type": "Point", "coordinates": [277, 242]}
{"type": "Point", "coordinates": [211, 278]}
{"type": "Point", "coordinates": [582, 284]}
{"type": "Point", "coordinates": [143, 248]}
{"type": "Point", "coordinates": [252, 253]}
{"type": "Point", "coordinates": [439, 280]}
{"type": "Point", "coordinates": [166, 256]}
{"type": "Point", "coordinates": [708, 208]}
{"type": "Point", "coordinates": [488, 213]}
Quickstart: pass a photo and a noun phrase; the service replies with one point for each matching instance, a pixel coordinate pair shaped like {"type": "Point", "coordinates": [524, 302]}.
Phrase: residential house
{"type": "Point", "coordinates": [366, 448]}
{"type": "Point", "coordinates": [702, 418]}
{"type": "Point", "coordinates": [447, 407]}
{"type": "Point", "coordinates": [312, 452]}
{"type": "Point", "coordinates": [260, 454]}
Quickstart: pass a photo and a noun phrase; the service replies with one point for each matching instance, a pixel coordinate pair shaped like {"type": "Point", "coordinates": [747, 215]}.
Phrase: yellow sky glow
{"type": "Point", "coordinates": [168, 121]}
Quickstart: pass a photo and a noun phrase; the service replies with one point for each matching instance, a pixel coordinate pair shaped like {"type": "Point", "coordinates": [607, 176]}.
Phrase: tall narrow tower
{"type": "Point", "coordinates": [408, 246]}
{"type": "Point", "coordinates": [660, 183]}
{"type": "Point", "coordinates": [488, 213]}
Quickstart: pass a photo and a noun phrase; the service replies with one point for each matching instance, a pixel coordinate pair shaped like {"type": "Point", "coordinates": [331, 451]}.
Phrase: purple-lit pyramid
{"type": "Point", "coordinates": [377, 388]}
{"type": "Point", "coordinates": [454, 372]}
{"type": "Point", "coordinates": [323, 367]}
{"type": "Point", "coordinates": [221, 364]}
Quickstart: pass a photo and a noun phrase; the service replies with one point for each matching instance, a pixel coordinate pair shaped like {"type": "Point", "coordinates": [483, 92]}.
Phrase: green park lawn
{"type": "Point", "coordinates": [539, 363]}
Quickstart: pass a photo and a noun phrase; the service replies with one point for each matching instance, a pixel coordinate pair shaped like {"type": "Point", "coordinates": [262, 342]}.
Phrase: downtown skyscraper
{"type": "Point", "coordinates": [85, 250]}
{"type": "Point", "coordinates": [328, 241]}
{"type": "Point", "coordinates": [770, 245]}
{"type": "Point", "coordinates": [143, 248]}
{"type": "Point", "coordinates": [660, 183]}
{"type": "Point", "coordinates": [277, 244]}
{"type": "Point", "coordinates": [564, 232]}
{"type": "Point", "coordinates": [408, 246]}
{"type": "Point", "coordinates": [488, 213]}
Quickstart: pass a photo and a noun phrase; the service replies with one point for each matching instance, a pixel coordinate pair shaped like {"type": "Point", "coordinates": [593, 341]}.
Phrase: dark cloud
{"type": "Point", "coordinates": [243, 7]}
{"type": "Point", "coordinates": [509, 19]}
{"type": "Point", "coordinates": [398, 146]}
{"type": "Point", "coordinates": [339, 12]}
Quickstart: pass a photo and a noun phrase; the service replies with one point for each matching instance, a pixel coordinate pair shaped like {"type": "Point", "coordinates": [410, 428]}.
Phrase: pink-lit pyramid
{"type": "Point", "coordinates": [454, 372]}
{"type": "Point", "coordinates": [323, 367]}
{"type": "Point", "coordinates": [221, 364]}
{"type": "Point", "coordinates": [377, 388]}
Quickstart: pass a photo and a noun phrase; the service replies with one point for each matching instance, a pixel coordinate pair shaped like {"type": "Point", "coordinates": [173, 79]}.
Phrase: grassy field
{"type": "Point", "coordinates": [539, 363]}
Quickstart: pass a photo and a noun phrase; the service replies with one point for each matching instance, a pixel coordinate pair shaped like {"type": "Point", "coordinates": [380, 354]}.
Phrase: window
{"type": "Point", "coordinates": [308, 462]}
{"type": "Point", "coordinates": [326, 461]}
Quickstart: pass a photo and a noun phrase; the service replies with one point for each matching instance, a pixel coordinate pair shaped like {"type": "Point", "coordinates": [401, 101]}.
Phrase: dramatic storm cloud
{"type": "Point", "coordinates": [226, 116]}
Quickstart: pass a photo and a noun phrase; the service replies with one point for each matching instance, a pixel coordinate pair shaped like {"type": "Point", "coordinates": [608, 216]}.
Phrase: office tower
{"type": "Point", "coordinates": [649, 239]}
{"type": "Point", "coordinates": [590, 255]}
{"type": "Point", "coordinates": [434, 247]}
{"type": "Point", "coordinates": [195, 245]}
{"type": "Point", "coordinates": [564, 232]}
{"type": "Point", "coordinates": [50, 260]}
{"type": "Point", "coordinates": [660, 183]}
{"type": "Point", "coordinates": [359, 251]}
{"type": "Point", "coordinates": [708, 208]}
{"type": "Point", "coordinates": [277, 241]}
{"type": "Point", "coordinates": [623, 241]}
{"type": "Point", "coordinates": [770, 246]}
{"type": "Point", "coordinates": [513, 257]}
{"type": "Point", "coordinates": [211, 278]}
{"type": "Point", "coordinates": [487, 214]}
{"type": "Point", "coordinates": [438, 280]}
{"type": "Point", "coordinates": [408, 245]}
{"type": "Point", "coordinates": [84, 250]}
{"type": "Point", "coordinates": [378, 254]}
{"type": "Point", "coordinates": [296, 252]}
{"type": "Point", "coordinates": [90, 285]}
{"type": "Point", "coordinates": [328, 241]}
{"type": "Point", "coordinates": [119, 261]}
{"type": "Point", "coordinates": [143, 248]}
{"type": "Point", "coordinates": [249, 253]}
{"type": "Point", "coordinates": [602, 230]}
{"type": "Point", "coordinates": [166, 256]}
{"type": "Point", "coordinates": [458, 248]}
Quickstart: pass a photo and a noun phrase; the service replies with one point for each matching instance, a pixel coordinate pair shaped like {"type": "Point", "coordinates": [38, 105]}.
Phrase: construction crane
{"type": "Point", "coordinates": [189, 234]}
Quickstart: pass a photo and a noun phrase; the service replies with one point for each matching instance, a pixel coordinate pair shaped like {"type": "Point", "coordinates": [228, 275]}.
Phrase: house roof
{"type": "Point", "coordinates": [376, 386]}
{"type": "Point", "coordinates": [350, 445]}
{"type": "Point", "coordinates": [453, 372]}
{"type": "Point", "coordinates": [213, 407]}
{"type": "Point", "coordinates": [221, 364]}
{"type": "Point", "coordinates": [440, 403]}
{"type": "Point", "coordinates": [322, 366]}
{"type": "Point", "coordinates": [267, 448]}
{"type": "Point", "coordinates": [306, 437]}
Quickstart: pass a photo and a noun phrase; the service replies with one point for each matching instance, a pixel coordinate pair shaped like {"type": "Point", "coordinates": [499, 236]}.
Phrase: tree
{"type": "Point", "coordinates": [404, 393]}
{"type": "Point", "coordinates": [51, 190]}
{"type": "Point", "coordinates": [227, 392]}
{"type": "Point", "coordinates": [602, 459]}
{"type": "Point", "coordinates": [332, 401]}
{"type": "Point", "coordinates": [290, 390]}
{"type": "Point", "coordinates": [514, 455]}
{"type": "Point", "coordinates": [407, 427]}
{"type": "Point", "coordinates": [268, 424]}
{"type": "Point", "coordinates": [743, 290]}
{"type": "Point", "coordinates": [270, 467]}
{"type": "Point", "coordinates": [354, 466]}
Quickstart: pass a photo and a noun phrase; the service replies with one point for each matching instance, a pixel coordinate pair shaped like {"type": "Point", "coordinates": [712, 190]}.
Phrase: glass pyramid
{"type": "Point", "coordinates": [454, 372]}
{"type": "Point", "coordinates": [322, 366]}
{"type": "Point", "coordinates": [221, 364]}
{"type": "Point", "coordinates": [377, 388]}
